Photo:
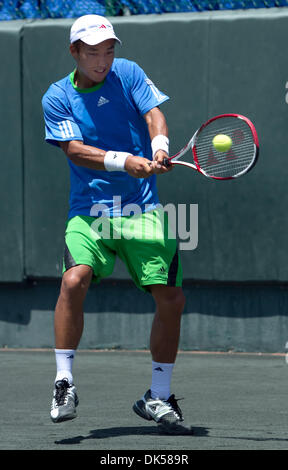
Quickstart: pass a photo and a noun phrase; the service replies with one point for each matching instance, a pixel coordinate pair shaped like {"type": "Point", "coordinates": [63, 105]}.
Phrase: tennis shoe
{"type": "Point", "coordinates": [166, 413]}
{"type": "Point", "coordinates": [64, 401]}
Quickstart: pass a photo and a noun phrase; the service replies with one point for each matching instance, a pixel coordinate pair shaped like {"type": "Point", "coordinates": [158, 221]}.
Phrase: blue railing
{"type": "Point", "coordinates": [21, 9]}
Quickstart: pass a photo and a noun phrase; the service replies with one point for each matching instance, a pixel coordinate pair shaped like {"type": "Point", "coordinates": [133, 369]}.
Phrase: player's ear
{"type": "Point", "coordinates": [74, 49]}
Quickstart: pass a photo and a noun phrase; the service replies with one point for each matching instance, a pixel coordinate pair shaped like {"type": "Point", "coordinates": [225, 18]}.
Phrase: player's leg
{"type": "Point", "coordinates": [85, 257]}
{"type": "Point", "coordinates": [164, 338]}
{"type": "Point", "coordinates": [68, 327]}
{"type": "Point", "coordinates": [152, 259]}
{"type": "Point", "coordinates": [158, 403]}
{"type": "Point", "coordinates": [68, 320]}
{"type": "Point", "coordinates": [165, 330]}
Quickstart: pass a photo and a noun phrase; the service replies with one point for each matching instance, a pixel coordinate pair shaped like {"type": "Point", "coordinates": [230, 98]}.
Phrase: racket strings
{"type": "Point", "coordinates": [231, 162]}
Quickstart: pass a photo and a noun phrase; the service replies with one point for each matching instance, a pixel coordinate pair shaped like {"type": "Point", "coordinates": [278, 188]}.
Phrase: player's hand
{"type": "Point", "coordinates": [158, 166]}
{"type": "Point", "coordinates": [139, 167]}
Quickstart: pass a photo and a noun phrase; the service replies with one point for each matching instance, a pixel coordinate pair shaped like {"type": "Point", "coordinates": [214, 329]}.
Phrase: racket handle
{"type": "Point", "coordinates": [166, 162]}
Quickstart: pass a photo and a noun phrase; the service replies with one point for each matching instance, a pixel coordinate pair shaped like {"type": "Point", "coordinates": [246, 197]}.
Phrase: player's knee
{"type": "Point", "coordinates": [178, 301]}
{"type": "Point", "coordinates": [74, 282]}
{"type": "Point", "coordinates": [171, 299]}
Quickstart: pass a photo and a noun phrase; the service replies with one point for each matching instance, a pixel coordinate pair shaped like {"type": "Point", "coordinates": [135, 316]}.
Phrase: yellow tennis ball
{"type": "Point", "coordinates": [222, 142]}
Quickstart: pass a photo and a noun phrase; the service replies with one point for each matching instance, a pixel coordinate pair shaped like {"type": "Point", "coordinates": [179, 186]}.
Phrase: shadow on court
{"type": "Point", "coordinates": [232, 401]}
{"type": "Point", "coordinates": [127, 431]}
{"type": "Point", "coordinates": [133, 431]}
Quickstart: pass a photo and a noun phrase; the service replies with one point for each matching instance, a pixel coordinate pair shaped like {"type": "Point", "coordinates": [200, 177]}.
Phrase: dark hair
{"type": "Point", "coordinates": [77, 44]}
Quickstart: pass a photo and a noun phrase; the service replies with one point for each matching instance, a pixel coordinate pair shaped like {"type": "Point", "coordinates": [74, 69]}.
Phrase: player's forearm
{"type": "Point", "coordinates": [156, 123]}
{"type": "Point", "coordinates": [158, 131]}
{"type": "Point", "coordinates": [84, 155]}
{"type": "Point", "coordinates": [98, 159]}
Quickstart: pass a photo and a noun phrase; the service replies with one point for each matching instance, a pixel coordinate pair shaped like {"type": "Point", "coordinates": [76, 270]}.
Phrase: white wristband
{"type": "Point", "coordinates": [160, 142]}
{"type": "Point", "coordinates": [115, 161]}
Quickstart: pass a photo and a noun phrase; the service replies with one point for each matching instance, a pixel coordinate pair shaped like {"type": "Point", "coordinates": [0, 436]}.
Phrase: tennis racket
{"type": "Point", "coordinates": [221, 165]}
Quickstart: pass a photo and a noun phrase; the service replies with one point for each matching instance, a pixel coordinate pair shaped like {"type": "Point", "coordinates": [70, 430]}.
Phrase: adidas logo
{"type": "Point", "coordinates": [162, 270]}
{"type": "Point", "coordinates": [102, 101]}
{"type": "Point", "coordinates": [159, 369]}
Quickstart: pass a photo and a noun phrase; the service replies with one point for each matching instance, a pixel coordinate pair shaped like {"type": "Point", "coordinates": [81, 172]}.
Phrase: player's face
{"type": "Point", "coordinates": [93, 62]}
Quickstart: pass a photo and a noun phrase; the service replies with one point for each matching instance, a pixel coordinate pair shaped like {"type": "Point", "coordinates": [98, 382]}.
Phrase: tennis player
{"type": "Point", "coordinates": [105, 116]}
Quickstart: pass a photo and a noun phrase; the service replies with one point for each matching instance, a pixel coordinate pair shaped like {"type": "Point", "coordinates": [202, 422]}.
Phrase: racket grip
{"type": "Point", "coordinates": [166, 162]}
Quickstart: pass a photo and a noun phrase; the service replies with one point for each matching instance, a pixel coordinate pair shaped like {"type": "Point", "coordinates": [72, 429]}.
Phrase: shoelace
{"type": "Point", "coordinates": [175, 407]}
{"type": "Point", "coordinates": [61, 392]}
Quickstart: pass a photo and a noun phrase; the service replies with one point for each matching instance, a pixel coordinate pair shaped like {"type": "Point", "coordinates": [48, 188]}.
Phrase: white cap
{"type": "Point", "coordinates": [92, 29]}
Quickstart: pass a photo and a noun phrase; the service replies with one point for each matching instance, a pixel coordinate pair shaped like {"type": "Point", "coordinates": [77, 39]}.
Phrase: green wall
{"type": "Point", "coordinates": [216, 317]}
{"type": "Point", "coordinates": [207, 63]}
{"type": "Point", "coordinates": [11, 175]}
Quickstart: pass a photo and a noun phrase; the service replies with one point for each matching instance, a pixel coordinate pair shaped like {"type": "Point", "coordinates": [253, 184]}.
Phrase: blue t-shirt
{"type": "Point", "coordinates": [110, 117]}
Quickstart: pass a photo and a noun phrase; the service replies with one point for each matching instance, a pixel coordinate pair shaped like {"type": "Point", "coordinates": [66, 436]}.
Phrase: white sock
{"type": "Point", "coordinates": [161, 379]}
{"type": "Point", "coordinates": [64, 363]}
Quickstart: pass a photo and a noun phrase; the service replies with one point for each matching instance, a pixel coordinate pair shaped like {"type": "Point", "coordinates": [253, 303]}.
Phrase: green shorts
{"type": "Point", "coordinates": [144, 242]}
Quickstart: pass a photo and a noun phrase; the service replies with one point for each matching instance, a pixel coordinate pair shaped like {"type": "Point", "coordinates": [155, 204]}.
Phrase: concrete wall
{"type": "Point", "coordinates": [208, 63]}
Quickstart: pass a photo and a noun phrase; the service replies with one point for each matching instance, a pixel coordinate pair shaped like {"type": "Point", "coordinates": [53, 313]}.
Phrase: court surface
{"type": "Point", "coordinates": [233, 401]}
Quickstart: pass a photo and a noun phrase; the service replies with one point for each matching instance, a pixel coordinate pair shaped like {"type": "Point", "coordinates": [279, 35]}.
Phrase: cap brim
{"type": "Point", "coordinates": [94, 39]}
